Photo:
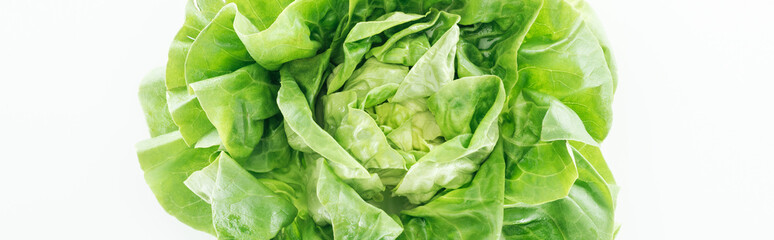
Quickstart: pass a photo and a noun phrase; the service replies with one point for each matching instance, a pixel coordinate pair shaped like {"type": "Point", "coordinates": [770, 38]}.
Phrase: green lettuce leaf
{"type": "Point", "coordinates": [167, 161]}
{"type": "Point", "coordinates": [582, 79]}
{"type": "Point", "coordinates": [435, 68]}
{"type": "Point", "coordinates": [451, 164]}
{"type": "Point", "coordinates": [472, 212]}
{"type": "Point", "coordinates": [358, 42]}
{"type": "Point", "coordinates": [272, 151]}
{"type": "Point", "coordinates": [237, 104]}
{"type": "Point", "coordinates": [198, 14]}
{"type": "Point", "coordinates": [299, 31]}
{"type": "Point", "coordinates": [585, 213]}
{"type": "Point", "coordinates": [350, 216]}
{"type": "Point", "coordinates": [298, 119]}
{"type": "Point", "coordinates": [243, 207]}
{"type": "Point", "coordinates": [153, 99]}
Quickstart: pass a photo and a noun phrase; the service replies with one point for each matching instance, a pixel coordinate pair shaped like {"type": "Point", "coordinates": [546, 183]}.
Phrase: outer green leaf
{"type": "Point", "coordinates": [198, 13]}
{"type": "Point", "coordinates": [167, 161]}
{"type": "Point", "coordinates": [543, 173]}
{"type": "Point", "coordinates": [261, 13]}
{"type": "Point", "coordinates": [590, 18]}
{"type": "Point", "coordinates": [562, 57]}
{"type": "Point", "coordinates": [299, 31]}
{"type": "Point", "coordinates": [242, 206]}
{"type": "Point", "coordinates": [561, 123]}
{"type": "Point", "coordinates": [189, 116]}
{"type": "Point", "coordinates": [236, 104]}
{"type": "Point", "coordinates": [316, 209]}
{"type": "Point", "coordinates": [593, 155]}
{"type": "Point", "coordinates": [492, 47]}
{"type": "Point", "coordinates": [586, 213]}
{"type": "Point", "coordinates": [472, 212]}
{"type": "Point", "coordinates": [351, 217]}
{"type": "Point", "coordinates": [153, 99]}
{"type": "Point", "coordinates": [537, 117]}
{"type": "Point", "coordinates": [217, 50]}
{"type": "Point", "coordinates": [540, 126]}
{"type": "Point", "coordinates": [303, 229]}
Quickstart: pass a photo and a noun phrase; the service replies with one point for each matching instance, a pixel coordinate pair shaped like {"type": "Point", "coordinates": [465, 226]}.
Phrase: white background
{"type": "Point", "coordinates": [691, 143]}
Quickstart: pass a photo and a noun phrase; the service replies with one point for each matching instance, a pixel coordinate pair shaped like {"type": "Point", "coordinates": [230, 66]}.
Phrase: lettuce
{"type": "Point", "coordinates": [384, 119]}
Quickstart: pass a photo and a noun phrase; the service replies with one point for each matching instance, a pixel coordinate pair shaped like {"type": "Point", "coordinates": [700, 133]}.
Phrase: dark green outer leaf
{"type": "Point", "coordinates": [564, 93]}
